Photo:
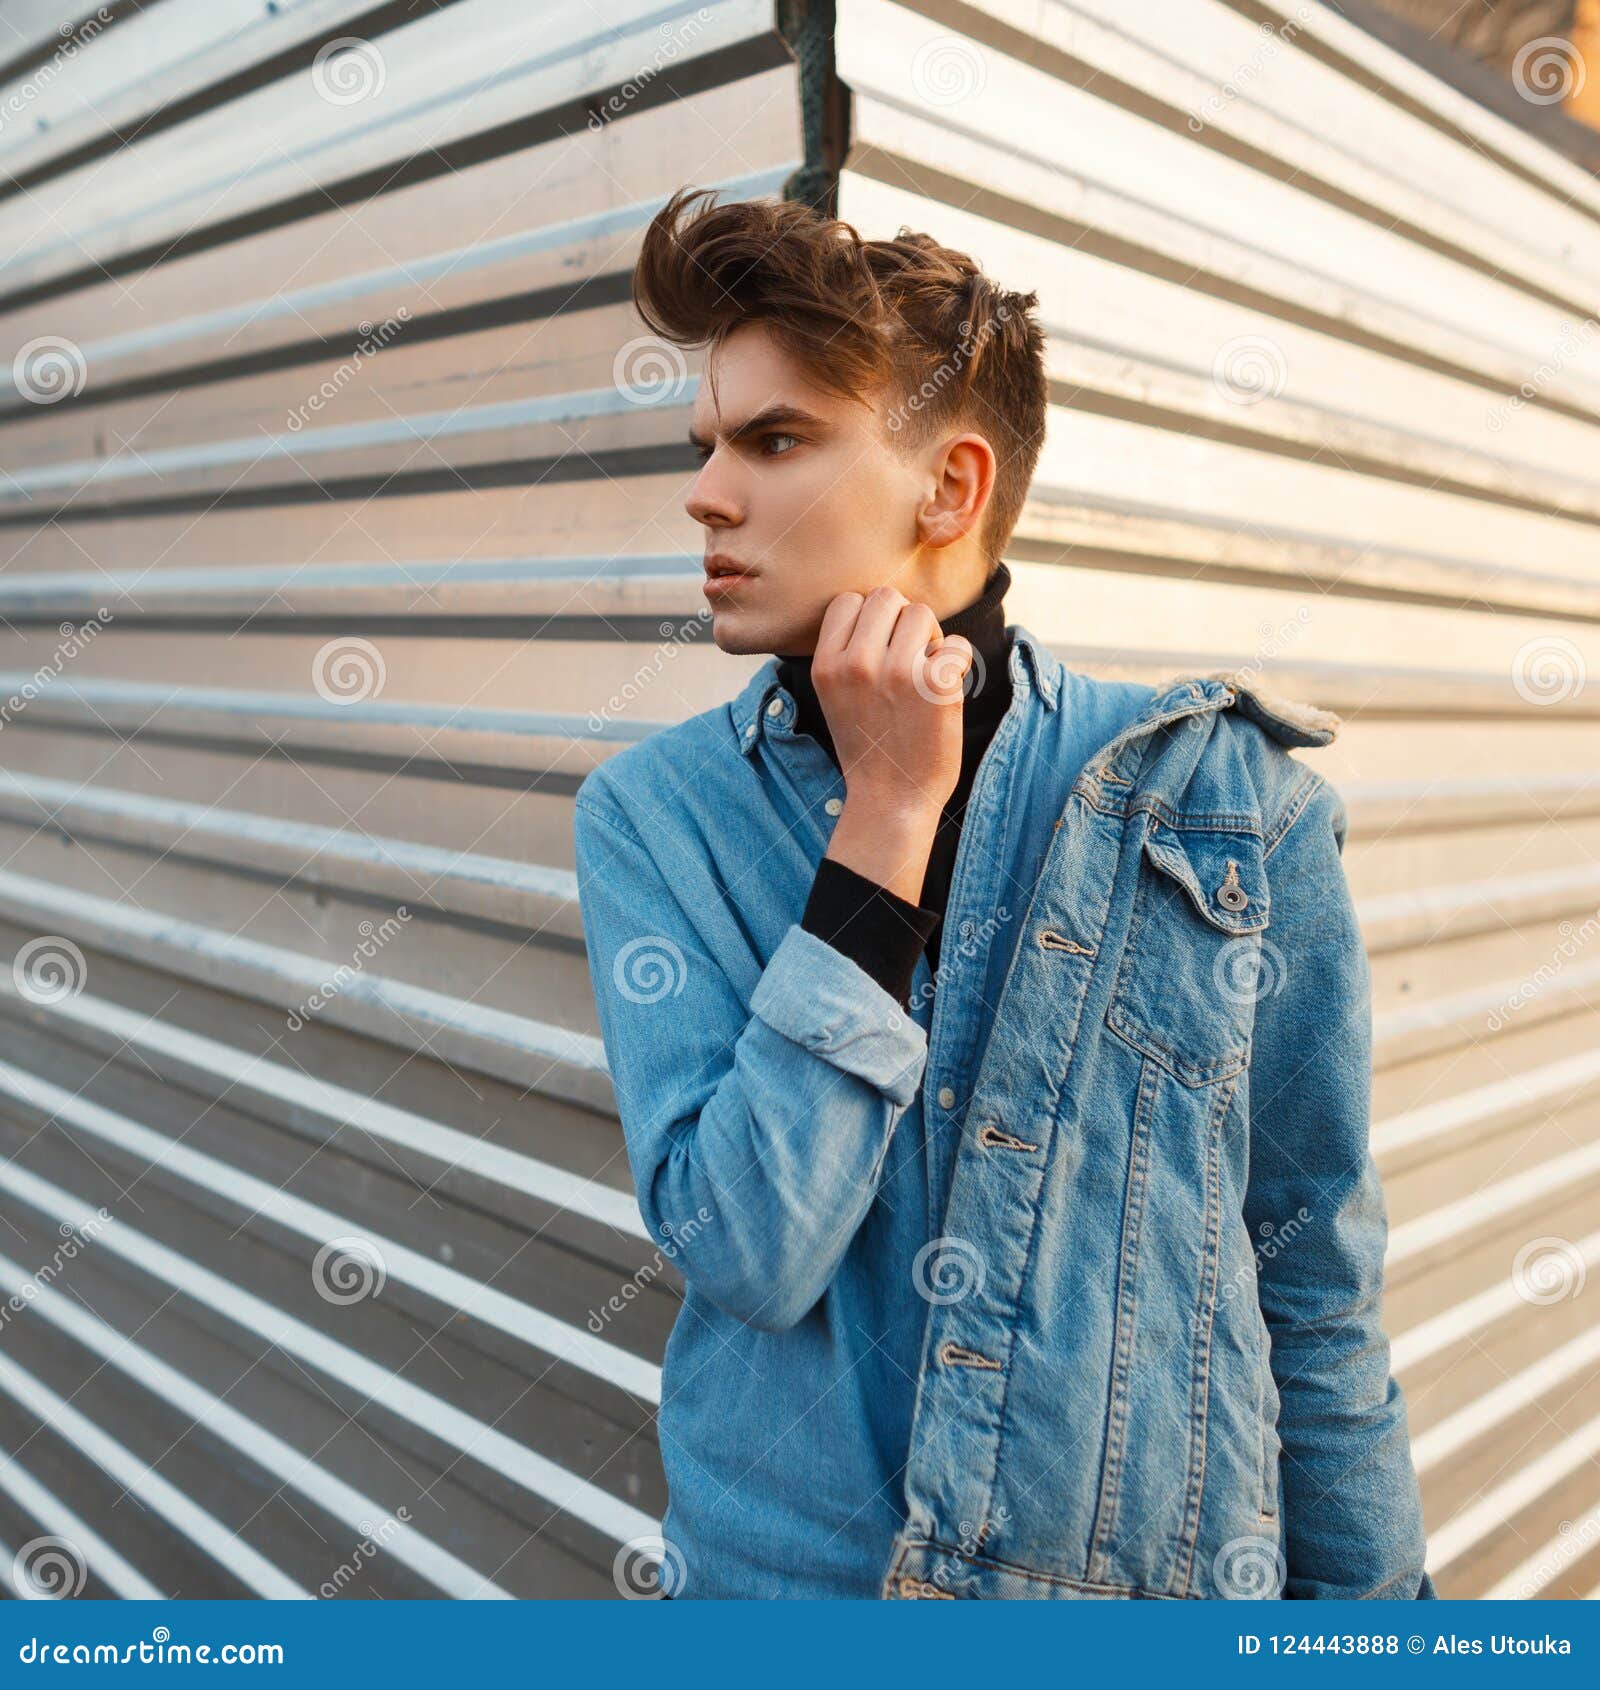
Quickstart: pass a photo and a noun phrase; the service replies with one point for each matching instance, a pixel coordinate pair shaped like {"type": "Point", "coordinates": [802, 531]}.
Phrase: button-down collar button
{"type": "Point", "coordinates": [749, 730]}
{"type": "Point", "coordinates": [947, 1098]}
{"type": "Point", "coordinates": [834, 806]}
{"type": "Point", "coordinates": [775, 708]}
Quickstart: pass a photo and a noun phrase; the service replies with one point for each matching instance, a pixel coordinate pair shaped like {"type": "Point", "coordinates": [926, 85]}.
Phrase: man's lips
{"type": "Point", "coordinates": [718, 564]}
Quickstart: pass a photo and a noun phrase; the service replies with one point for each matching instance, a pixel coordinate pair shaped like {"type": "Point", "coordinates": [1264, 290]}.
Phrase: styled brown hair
{"type": "Point", "coordinates": [908, 321]}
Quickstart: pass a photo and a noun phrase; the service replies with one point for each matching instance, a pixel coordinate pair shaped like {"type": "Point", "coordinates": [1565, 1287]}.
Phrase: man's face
{"type": "Point", "coordinates": [813, 500]}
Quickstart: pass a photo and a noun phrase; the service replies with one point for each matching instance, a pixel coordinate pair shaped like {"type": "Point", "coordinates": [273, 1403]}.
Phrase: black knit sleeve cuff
{"type": "Point", "coordinates": [878, 930]}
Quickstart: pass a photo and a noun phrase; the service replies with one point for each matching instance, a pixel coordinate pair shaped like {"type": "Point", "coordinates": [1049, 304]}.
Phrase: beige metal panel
{"type": "Point", "coordinates": [152, 63]}
{"type": "Point", "coordinates": [1239, 230]}
{"type": "Point", "coordinates": [521, 819]}
{"type": "Point", "coordinates": [449, 75]}
{"type": "Point", "coordinates": [555, 518]}
{"type": "Point", "coordinates": [554, 217]}
{"type": "Point", "coordinates": [1221, 73]}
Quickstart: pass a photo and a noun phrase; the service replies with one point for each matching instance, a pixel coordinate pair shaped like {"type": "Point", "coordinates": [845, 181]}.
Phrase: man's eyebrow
{"type": "Point", "coordinates": [771, 417]}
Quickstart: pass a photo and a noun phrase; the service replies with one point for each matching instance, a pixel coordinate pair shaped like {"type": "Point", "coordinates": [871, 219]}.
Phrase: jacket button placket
{"type": "Point", "coordinates": [987, 1233]}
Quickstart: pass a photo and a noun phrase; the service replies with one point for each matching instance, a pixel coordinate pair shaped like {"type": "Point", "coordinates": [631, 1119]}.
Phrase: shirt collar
{"type": "Point", "coordinates": [1031, 663]}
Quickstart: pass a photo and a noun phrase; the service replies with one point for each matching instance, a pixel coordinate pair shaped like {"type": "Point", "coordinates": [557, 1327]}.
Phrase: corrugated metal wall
{"type": "Point", "coordinates": [341, 521]}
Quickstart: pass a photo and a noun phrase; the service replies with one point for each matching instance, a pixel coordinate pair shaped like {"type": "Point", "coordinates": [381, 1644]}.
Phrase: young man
{"type": "Point", "coordinates": [991, 1042]}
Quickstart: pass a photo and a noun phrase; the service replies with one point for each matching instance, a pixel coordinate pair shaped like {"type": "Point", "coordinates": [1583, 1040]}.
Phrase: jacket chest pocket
{"type": "Point", "coordinates": [1190, 974]}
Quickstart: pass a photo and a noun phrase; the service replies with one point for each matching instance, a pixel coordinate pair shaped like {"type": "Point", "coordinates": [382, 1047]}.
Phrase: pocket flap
{"type": "Point", "coordinates": [1222, 871]}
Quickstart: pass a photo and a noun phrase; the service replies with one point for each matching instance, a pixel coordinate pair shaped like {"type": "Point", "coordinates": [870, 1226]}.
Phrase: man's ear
{"type": "Point", "coordinates": [963, 483]}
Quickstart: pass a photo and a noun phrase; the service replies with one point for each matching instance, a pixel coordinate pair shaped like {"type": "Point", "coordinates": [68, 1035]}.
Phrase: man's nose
{"type": "Point", "coordinates": [712, 499]}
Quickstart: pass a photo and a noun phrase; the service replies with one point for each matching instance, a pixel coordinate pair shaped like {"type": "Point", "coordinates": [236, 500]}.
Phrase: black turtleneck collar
{"type": "Point", "coordinates": [982, 623]}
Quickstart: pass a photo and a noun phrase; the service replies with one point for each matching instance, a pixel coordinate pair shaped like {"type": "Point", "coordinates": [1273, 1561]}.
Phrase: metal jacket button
{"type": "Point", "coordinates": [1230, 894]}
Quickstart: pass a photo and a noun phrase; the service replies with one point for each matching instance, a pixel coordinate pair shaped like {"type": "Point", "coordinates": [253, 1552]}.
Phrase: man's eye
{"type": "Point", "coordinates": [769, 438]}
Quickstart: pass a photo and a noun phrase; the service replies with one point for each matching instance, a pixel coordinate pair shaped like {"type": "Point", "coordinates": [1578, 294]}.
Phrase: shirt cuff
{"type": "Point", "coordinates": [878, 930]}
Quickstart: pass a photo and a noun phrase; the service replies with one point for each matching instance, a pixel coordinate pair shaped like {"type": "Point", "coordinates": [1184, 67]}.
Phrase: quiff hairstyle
{"type": "Point", "coordinates": [907, 321]}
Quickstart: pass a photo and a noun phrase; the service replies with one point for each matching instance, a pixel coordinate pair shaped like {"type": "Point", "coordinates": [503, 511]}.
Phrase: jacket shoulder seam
{"type": "Point", "coordinates": [1294, 809]}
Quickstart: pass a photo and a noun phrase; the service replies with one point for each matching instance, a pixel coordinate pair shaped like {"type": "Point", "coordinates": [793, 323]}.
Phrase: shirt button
{"type": "Point", "coordinates": [834, 806]}
{"type": "Point", "coordinates": [775, 708]}
{"type": "Point", "coordinates": [749, 730]}
{"type": "Point", "coordinates": [947, 1098]}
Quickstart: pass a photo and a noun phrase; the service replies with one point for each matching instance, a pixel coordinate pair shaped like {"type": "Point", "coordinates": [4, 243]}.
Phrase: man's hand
{"type": "Point", "coordinates": [891, 686]}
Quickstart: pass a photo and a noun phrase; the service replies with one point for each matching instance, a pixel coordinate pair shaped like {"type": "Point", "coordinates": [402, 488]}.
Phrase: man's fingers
{"type": "Point", "coordinates": [838, 623]}
{"type": "Point", "coordinates": [940, 675]}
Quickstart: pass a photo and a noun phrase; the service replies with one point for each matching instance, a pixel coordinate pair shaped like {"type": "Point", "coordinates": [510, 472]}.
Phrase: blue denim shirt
{"type": "Point", "coordinates": [1067, 1283]}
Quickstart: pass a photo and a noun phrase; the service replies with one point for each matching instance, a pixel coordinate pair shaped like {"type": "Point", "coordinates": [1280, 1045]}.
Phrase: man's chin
{"type": "Point", "coordinates": [739, 637]}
